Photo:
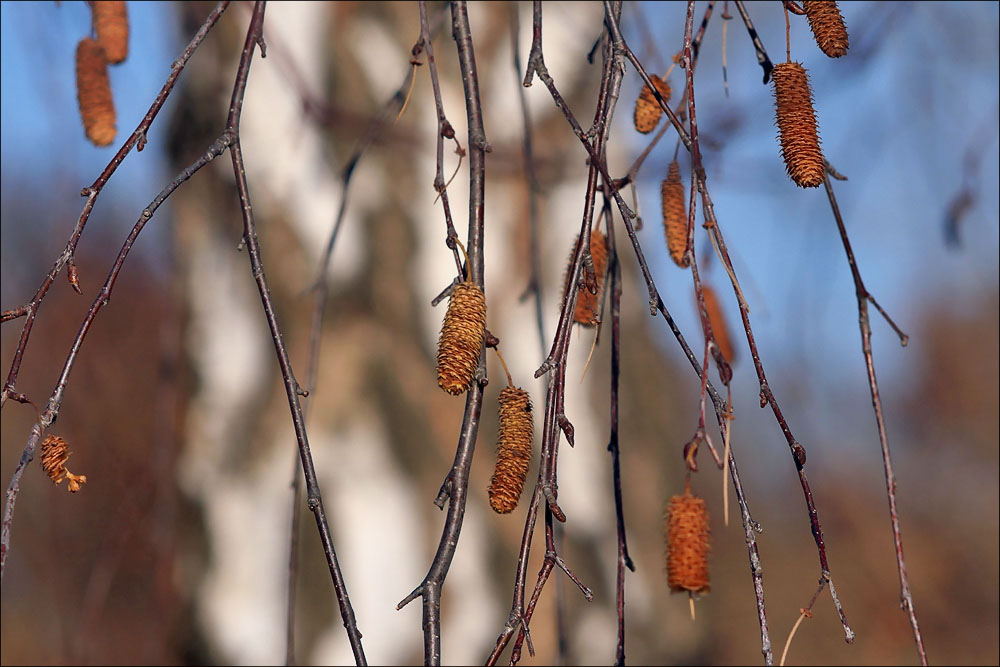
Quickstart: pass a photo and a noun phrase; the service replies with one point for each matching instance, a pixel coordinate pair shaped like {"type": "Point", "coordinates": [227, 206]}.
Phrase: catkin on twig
{"type": "Point", "coordinates": [718, 322]}
{"type": "Point", "coordinates": [93, 92]}
{"type": "Point", "coordinates": [513, 450]}
{"type": "Point", "coordinates": [461, 338]}
{"type": "Point", "coordinates": [55, 453]}
{"type": "Point", "coordinates": [796, 122]}
{"type": "Point", "coordinates": [586, 303]}
{"type": "Point", "coordinates": [827, 25]}
{"type": "Point", "coordinates": [687, 544]}
{"type": "Point", "coordinates": [674, 215]}
{"type": "Point", "coordinates": [647, 109]}
{"type": "Point", "coordinates": [111, 25]}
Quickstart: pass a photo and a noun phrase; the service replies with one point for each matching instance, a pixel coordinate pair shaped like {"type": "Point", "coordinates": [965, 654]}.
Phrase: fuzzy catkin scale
{"type": "Point", "coordinates": [93, 92]}
{"type": "Point", "coordinates": [796, 122]}
{"type": "Point", "coordinates": [587, 303]}
{"type": "Point", "coordinates": [513, 450]}
{"type": "Point", "coordinates": [461, 338]}
{"type": "Point", "coordinates": [55, 453]}
{"type": "Point", "coordinates": [647, 109]}
{"type": "Point", "coordinates": [827, 25]}
{"type": "Point", "coordinates": [718, 322]}
{"type": "Point", "coordinates": [674, 215]}
{"type": "Point", "coordinates": [687, 544]}
{"type": "Point", "coordinates": [111, 26]}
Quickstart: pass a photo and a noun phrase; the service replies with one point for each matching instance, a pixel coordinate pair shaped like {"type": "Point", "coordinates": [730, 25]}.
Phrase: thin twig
{"type": "Point", "coordinates": [906, 597]}
{"type": "Point", "coordinates": [136, 139]}
{"type": "Point", "coordinates": [292, 387]}
{"type": "Point", "coordinates": [758, 46]}
{"type": "Point", "coordinates": [456, 484]}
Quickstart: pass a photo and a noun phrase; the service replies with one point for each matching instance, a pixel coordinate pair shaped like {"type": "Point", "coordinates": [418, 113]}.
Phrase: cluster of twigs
{"type": "Point", "coordinates": [615, 52]}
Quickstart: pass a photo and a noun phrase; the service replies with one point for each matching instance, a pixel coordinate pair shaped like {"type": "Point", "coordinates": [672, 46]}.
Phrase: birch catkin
{"type": "Point", "coordinates": [647, 109]}
{"type": "Point", "coordinates": [687, 544]}
{"type": "Point", "coordinates": [718, 322]}
{"type": "Point", "coordinates": [513, 450]}
{"type": "Point", "coordinates": [587, 303]}
{"type": "Point", "coordinates": [674, 215]}
{"type": "Point", "coordinates": [93, 92]}
{"type": "Point", "coordinates": [461, 338]}
{"type": "Point", "coordinates": [796, 122]}
{"type": "Point", "coordinates": [111, 26]}
{"type": "Point", "coordinates": [827, 26]}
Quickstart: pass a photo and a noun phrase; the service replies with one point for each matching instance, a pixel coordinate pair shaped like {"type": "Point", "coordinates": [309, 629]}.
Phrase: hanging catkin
{"type": "Point", "coordinates": [513, 450]}
{"type": "Point", "coordinates": [55, 453]}
{"type": "Point", "coordinates": [111, 25]}
{"type": "Point", "coordinates": [647, 109]}
{"type": "Point", "coordinates": [687, 544]}
{"type": "Point", "coordinates": [587, 303]}
{"type": "Point", "coordinates": [461, 338]}
{"type": "Point", "coordinates": [718, 322]}
{"type": "Point", "coordinates": [674, 216]}
{"type": "Point", "coordinates": [827, 26]}
{"type": "Point", "coordinates": [93, 92]}
{"type": "Point", "coordinates": [797, 125]}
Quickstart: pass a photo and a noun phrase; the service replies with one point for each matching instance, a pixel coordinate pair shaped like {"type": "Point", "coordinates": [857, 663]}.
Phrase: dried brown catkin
{"type": "Point", "coordinates": [647, 109]}
{"type": "Point", "coordinates": [674, 215]}
{"type": "Point", "coordinates": [687, 544]}
{"type": "Point", "coordinates": [111, 26]}
{"type": "Point", "coordinates": [513, 450]}
{"type": "Point", "coordinates": [718, 322]}
{"type": "Point", "coordinates": [461, 338]}
{"type": "Point", "coordinates": [587, 303]}
{"type": "Point", "coordinates": [827, 26]}
{"type": "Point", "coordinates": [55, 453]}
{"type": "Point", "coordinates": [796, 122]}
{"type": "Point", "coordinates": [93, 92]}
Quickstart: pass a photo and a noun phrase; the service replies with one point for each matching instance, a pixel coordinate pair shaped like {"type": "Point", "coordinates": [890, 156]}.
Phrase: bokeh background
{"type": "Point", "coordinates": [176, 549]}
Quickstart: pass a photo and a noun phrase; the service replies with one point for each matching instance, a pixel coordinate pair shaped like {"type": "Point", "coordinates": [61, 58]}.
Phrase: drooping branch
{"type": "Point", "coordinates": [456, 486]}
{"type": "Point", "coordinates": [863, 296]}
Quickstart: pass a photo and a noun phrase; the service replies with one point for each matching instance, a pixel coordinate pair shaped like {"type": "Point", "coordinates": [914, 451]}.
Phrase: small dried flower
{"type": "Point", "coordinates": [796, 121]}
{"type": "Point", "coordinates": [687, 544]}
{"type": "Point", "coordinates": [827, 26]}
{"type": "Point", "coordinates": [111, 25]}
{"type": "Point", "coordinates": [647, 109]}
{"type": "Point", "coordinates": [55, 453]}
{"type": "Point", "coordinates": [513, 450]}
{"type": "Point", "coordinates": [674, 215]}
{"type": "Point", "coordinates": [93, 92]}
{"type": "Point", "coordinates": [461, 338]}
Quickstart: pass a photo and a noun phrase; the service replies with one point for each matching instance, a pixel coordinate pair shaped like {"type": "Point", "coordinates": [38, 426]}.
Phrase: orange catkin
{"type": "Point", "coordinates": [674, 216]}
{"type": "Point", "coordinates": [461, 338]}
{"type": "Point", "coordinates": [647, 109]}
{"type": "Point", "coordinates": [93, 92]}
{"type": "Point", "coordinates": [513, 450]}
{"type": "Point", "coordinates": [797, 125]}
{"type": "Point", "coordinates": [687, 544]}
{"type": "Point", "coordinates": [827, 26]}
{"type": "Point", "coordinates": [587, 303]}
{"type": "Point", "coordinates": [718, 322]}
{"type": "Point", "coordinates": [111, 25]}
{"type": "Point", "coordinates": [55, 453]}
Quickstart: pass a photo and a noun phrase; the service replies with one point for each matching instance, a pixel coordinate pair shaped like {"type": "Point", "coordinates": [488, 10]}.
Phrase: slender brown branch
{"type": "Point", "coordinates": [863, 296]}
{"type": "Point", "coordinates": [292, 387]}
{"type": "Point", "coordinates": [51, 412]}
{"type": "Point", "coordinates": [456, 485]}
{"type": "Point", "coordinates": [138, 140]}
{"type": "Point", "coordinates": [762, 59]}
